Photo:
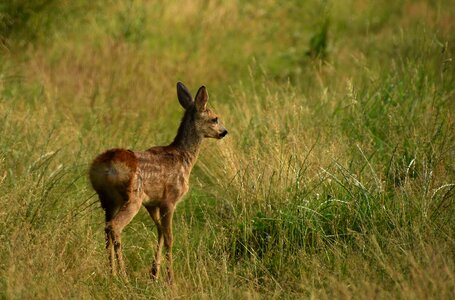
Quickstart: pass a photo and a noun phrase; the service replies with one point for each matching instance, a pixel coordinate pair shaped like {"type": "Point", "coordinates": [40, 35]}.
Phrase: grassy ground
{"type": "Point", "coordinates": [337, 178]}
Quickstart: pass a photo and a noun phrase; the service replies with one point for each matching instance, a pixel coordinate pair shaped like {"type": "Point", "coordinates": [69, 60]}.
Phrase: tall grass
{"type": "Point", "coordinates": [337, 178]}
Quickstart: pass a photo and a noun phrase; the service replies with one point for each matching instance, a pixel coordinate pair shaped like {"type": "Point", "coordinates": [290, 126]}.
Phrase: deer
{"type": "Point", "coordinates": [156, 179]}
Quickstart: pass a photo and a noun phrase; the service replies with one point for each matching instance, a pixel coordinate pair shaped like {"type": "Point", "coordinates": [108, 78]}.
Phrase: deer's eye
{"type": "Point", "coordinates": [214, 120]}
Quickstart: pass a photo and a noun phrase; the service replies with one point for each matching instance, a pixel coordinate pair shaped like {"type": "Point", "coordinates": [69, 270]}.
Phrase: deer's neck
{"type": "Point", "coordinates": [187, 140]}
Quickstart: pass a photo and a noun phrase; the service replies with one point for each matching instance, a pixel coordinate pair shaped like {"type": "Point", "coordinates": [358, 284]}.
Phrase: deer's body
{"type": "Point", "coordinates": [156, 178]}
{"type": "Point", "coordinates": [153, 177]}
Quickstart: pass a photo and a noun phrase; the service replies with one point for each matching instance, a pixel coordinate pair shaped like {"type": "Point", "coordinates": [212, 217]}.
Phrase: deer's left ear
{"type": "Point", "coordinates": [184, 96]}
{"type": "Point", "coordinates": [201, 98]}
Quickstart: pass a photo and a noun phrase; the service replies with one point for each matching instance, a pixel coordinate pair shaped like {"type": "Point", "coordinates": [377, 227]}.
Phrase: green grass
{"type": "Point", "coordinates": [337, 178]}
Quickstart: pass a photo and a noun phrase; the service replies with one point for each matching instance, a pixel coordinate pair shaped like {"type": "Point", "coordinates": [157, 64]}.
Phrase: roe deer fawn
{"type": "Point", "coordinates": [156, 178]}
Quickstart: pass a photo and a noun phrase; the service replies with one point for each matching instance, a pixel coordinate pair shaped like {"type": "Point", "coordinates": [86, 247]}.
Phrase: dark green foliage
{"type": "Point", "coordinates": [25, 18]}
{"type": "Point", "coordinates": [319, 42]}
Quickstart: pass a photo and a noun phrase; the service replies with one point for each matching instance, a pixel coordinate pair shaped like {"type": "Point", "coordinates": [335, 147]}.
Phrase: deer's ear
{"type": "Point", "coordinates": [184, 96]}
{"type": "Point", "coordinates": [201, 98]}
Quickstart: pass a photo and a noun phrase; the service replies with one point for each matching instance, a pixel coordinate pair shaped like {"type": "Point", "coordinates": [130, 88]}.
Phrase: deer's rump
{"type": "Point", "coordinates": [112, 173]}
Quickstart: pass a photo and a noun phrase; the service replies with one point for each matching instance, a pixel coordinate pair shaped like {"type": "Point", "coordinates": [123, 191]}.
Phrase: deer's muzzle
{"type": "Point", "coordinates": [223, 133]}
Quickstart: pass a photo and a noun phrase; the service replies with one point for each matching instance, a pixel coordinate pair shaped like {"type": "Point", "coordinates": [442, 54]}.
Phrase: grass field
{"type": "Point", "coordinates": [337, 179]}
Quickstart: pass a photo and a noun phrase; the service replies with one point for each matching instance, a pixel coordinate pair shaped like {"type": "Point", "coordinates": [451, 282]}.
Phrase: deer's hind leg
{"type": "Point", "coordinates": [114, 227]}
{"type": "Point", "coordinates": [111, 206]}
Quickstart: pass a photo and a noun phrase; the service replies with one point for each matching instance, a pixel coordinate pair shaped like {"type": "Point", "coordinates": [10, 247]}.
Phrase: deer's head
{"type": "Point", "coordinates": [207, 123]}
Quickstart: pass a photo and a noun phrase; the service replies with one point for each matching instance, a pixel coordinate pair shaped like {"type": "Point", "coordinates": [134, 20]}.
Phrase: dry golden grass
{"type": "Point", "coordinates": [336, 181]}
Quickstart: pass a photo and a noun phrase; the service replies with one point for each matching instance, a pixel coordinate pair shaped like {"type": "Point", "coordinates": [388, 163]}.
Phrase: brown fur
{"type": "Point", "coordinates": [156, 179]}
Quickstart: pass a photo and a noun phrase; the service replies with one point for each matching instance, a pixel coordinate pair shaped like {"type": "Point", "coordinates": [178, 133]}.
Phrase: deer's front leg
{"type": "Point", "coordinates": [167, 212]}
{"type": "Point", "coordinates": [155, 214]}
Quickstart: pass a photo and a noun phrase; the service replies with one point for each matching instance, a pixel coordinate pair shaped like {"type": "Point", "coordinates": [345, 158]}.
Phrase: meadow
{"type": "Point", "coordinates": [337, 178]}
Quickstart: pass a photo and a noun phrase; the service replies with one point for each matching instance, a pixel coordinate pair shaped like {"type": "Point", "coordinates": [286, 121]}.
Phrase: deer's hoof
{"type": "Point", "coordinates": [154, 274]}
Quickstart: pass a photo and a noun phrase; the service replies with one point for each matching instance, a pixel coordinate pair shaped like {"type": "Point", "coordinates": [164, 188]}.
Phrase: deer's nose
{"type": "Point", "coordinates": [223, 134]}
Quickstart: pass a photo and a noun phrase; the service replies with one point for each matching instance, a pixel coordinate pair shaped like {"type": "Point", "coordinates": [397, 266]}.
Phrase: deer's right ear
{"type": "Point", "coordinates": [184, 96]}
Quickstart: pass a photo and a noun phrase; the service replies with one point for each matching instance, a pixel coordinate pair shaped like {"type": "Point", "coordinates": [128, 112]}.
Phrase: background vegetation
{"type": "Point", "coordinates": [337, 178]}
